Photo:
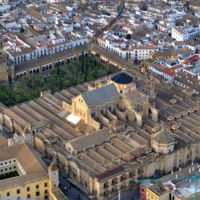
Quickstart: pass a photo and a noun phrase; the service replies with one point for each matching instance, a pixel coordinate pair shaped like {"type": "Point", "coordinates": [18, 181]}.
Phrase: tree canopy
{"type": "Point", "coordinates": [76, 72]}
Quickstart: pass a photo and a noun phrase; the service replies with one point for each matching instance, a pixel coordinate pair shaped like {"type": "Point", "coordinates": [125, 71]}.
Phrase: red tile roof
{"type": "Point", "coordinates": [169, 71]}
{"type": "Point", "coordinates": [193, 58]}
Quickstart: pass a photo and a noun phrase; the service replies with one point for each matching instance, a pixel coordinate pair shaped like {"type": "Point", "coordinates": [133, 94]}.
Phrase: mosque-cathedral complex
{"type": "Point", "coordinates": [106, 135]}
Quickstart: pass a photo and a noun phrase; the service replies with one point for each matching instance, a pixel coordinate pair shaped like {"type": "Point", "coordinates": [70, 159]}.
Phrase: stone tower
{"type": "Point", "coordinates": [53, 175]}
{"type": "Point", "coordinates": [6, 68]}
{"type": "Point", "coordinates": [151, 88]}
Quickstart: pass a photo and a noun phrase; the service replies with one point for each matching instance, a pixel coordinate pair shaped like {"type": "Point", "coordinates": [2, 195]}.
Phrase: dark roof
{"type": "Point", "coordinates": [100, 96]}
{"type": "Point", "coordinates": [122, 78]}
{"type": "Point", "coordinates": [164, 137]}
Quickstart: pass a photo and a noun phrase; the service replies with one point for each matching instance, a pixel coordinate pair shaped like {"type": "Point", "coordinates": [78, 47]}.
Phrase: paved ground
{"type": "Point", "coordinates": [74, 193]}
{"type": "Point", "coordinates": [71, 191]}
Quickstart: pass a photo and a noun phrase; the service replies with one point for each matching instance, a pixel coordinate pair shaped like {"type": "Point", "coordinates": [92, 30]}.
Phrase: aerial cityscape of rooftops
{"type": "Point", "coordinates": [99, 99]}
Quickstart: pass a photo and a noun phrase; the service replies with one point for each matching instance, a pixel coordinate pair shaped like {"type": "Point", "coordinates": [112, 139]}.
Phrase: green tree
{"type": "Point", "coordinates": [32, 85]}
{"type": "Point", "coordinates": [28, 88]}
{"type": "Point", "coordinates": [111, 69]}
{"type": "Point", "coordinates": [6, 96]}
{"type": "Point", "coordinates": [82, 62]}
{"type": "Point", "coordinates": [97, 56]}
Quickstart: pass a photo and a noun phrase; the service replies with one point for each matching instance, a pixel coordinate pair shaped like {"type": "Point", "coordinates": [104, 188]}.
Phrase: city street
{"type": "Point", "coordinates": [74, 193]}
{"type": "Point", "coordinates": [71, 191]}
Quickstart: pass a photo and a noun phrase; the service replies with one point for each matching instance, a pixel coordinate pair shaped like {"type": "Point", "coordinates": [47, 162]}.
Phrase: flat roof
{"type": "Point", "coordinates": [73, 119]}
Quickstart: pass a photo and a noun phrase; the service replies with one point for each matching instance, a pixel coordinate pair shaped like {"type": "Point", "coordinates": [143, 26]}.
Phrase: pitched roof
{"type": "Point", "coordinates": [3, 141]}
{"type": "Point", "coordinates": [29, 160]}
{"type": "Point", "coordinates": [109, 172]}
{"type": "Point", "coordinates": [122, 78]}
{"type": "Point", "coordinates": [163, 137]}
{"type": "Point", "coordinates": [169, 71]}
{"type": "Point", "coordinates": [193, 58]}
{"type": "Point", "coordinates": [2, 107]}
{"type": "Point", "coordinates": [100, 96]}
{"type": "Point", "coordinates": [86, 141]}
{"type": "Point", "coordinates": [188, 79]}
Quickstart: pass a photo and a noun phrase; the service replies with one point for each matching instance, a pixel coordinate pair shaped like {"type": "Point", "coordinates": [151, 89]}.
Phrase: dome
{"type": "Point", "coordinates": [122, 78]}
{"type": "Point", "coordinates": [163, 141]}
{"type": "Point", "coordinates": [164, 137]}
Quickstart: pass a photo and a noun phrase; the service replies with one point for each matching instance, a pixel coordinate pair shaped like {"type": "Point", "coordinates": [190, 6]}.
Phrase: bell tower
{"type": "Point", "coordinates": [6, 69]}
{"type": "Point", "coordinates": [151, 87]}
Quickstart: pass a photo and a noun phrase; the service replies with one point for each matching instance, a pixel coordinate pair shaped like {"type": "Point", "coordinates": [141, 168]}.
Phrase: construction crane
{"type": "Point", "coordinates": [196, 178]}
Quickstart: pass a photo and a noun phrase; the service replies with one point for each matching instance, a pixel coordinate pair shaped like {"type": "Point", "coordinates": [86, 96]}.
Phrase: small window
{"type": "Point", "coordinates": [93, 115]}
{"type": "Point", "coordinates": [28, 189]}
{"type": "Point", "coordinates": [37, 194]}
{"type": "Point", "coordinates": [8, 194]}
{"type": "Point", "coordinates": [45, 184]}
{"type": "Point", "coordinates": [138, 107]}
{"type": "Point", "coordinates": [37, 186]}
{"type": "Point", "coordinates": [18, 191]}
{"type": "Point", "coordinates": [46, 192]}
